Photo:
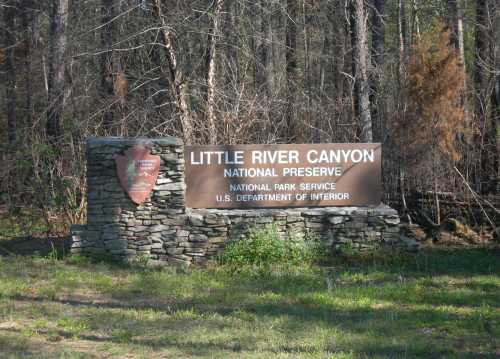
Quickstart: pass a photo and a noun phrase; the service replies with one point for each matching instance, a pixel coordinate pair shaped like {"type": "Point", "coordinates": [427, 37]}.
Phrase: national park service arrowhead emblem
{"type": "Point", "coordinates": [137, 171]}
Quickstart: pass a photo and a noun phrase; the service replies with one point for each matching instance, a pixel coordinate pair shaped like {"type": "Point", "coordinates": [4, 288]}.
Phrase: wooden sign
{"type": "Point", "coordinates": [137, 171]}
{"type": "Point", "coordinates": [253, 176]}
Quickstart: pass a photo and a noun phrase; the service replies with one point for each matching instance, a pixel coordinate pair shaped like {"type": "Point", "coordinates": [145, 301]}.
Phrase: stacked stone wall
{"type": "Point", "coordinates": [165, 231]}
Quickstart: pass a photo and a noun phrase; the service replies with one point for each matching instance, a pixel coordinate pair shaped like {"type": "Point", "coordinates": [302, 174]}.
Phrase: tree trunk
{"type": "Point", "coordinates": [106, 61]}
{"type": "Point", "coordinates": [230, 28]}
{"type": "Point", "coordinates": [9, 15]}
{"type": "Point", "coordinates": [57, 68]}
{"type": "Point", "coordinates": [496, 90]}
{"type": "Point", "coordinates": [415, 24]}
{"type": "Point", "coordinates": [263, 49]}
{"type": "Point", "coordinates": [455, 24]}
{"type": "Point", "coordinates": [291, 67]}
{"type": "Point", "coordinates": [452, 22]}
{"type": "Point", "coordinates": [351, 11]}
{"type": "Point", "coordinates": [26, 22]}
{"type": "Point", "coordinates": [402, 39]}
{"type": "Point", "coordinates": [482, 83]}
{"type": "Point", "coordinates": [362, 64]}
{"type": "Point", "coordinates": [378, 46]}
{"type": "Point", "coordinates": [176, 75]}
{"type": "Point", "coordinates": [212, 72]}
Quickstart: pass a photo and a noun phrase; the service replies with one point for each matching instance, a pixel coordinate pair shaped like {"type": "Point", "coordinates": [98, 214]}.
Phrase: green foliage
{"type": "Point", "coordinates": [265, 246]}
{"type": "Point", "coordinates": [53, 254]}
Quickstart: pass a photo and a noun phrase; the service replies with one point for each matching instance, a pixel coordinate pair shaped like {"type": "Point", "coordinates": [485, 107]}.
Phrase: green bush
{"type": "Point", "coordinates": [264, 246]}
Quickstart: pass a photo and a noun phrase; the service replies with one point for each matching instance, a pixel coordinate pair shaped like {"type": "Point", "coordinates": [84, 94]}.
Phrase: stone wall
{"type": "Point", "coordinates": [165, 231]}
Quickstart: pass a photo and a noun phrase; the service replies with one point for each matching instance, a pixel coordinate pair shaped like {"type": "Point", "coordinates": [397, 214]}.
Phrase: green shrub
{"type": "Point", "coordinates": [265, 246]}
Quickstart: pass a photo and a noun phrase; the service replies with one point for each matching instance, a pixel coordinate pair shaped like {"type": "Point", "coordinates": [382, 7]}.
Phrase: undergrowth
{"type": "Point", "coordinates": [265, 246]}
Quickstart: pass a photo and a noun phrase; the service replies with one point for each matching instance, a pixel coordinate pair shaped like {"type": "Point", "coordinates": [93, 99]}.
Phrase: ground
{"type": "Point", "coordinates": [438, 303]}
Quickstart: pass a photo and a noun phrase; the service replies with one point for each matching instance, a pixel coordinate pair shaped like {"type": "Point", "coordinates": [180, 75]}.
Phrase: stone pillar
{"type": "Point", "coordinates": [118, 227]}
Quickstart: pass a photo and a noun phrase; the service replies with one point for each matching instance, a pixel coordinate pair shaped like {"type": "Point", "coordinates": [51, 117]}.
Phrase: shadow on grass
{"type": "Point", "coordinates": [29, 246]}
{"type": "Point", "coordinates": [376, 325]}
{"type": "Point", "coordinates": [394, 331]}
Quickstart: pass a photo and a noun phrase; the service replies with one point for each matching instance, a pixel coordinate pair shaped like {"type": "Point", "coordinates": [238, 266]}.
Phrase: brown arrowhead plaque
{"type": "Point", "coordinates": [138, 171]}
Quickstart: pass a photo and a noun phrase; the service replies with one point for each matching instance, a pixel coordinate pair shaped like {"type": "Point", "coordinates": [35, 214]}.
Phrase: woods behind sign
{"type": "Point", "coordinates": [245, 176]}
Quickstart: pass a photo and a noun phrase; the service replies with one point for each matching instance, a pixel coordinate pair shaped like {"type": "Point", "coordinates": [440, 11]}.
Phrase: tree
{"type": "Point", "coordinates": [378, 49]}
{"type": "Point", "coordinates": [362, 64]}
{"type": "Point", "coordinates": [106, 60]}
{"type": "Point", "coordinates": [212, 66]}
{"type": "Point", "coordinates": [291, 66]}
{"type": "Point", "coordinates": [175, 74]}
{"type": "Point", "coordinates": [496, 86]}
{"type": "Point", "coordinates": [456, 26]}
{"type": "Point", "coordinates": [27, 10]}
{"type": "Point", "coordinates": [9, 16]}
{"type": "Point", "coordinates": [484, 85]}
{"type": "Point", "coordinates": [57, 68]}
{"type": "Point", "coordinates": [435, 117]}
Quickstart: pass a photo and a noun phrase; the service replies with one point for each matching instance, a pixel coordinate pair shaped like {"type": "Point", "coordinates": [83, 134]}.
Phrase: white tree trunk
{"type": "Point", "coordinates": [362, 72]}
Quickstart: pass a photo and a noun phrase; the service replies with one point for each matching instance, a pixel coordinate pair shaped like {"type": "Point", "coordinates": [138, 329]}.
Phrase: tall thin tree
{"type": "Point", "coordinates": [106, 60]}
{"type": "Point", "coordinates": [57, 68]}
{"type": "Point", "coordinates": [212, 70]}
{"type": "Point", "coordinates": [362, 64]}
{"type": "Point", "coordinates": [291, 66]}
{"type": "Point", "coordinates": [378, 47]}
{"type": "Point", "coordinates": [9, 16]}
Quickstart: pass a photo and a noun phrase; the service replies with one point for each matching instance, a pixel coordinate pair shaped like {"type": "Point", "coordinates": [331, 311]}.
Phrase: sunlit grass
{"type": "Point", "coordinates": [444, 304]}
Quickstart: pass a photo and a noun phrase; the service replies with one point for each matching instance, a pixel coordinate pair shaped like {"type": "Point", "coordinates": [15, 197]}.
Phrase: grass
{"type": "Point", "coordinates": [433, 305]}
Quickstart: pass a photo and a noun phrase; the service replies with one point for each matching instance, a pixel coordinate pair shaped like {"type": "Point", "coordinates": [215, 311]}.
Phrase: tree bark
{"type": "Point", "coordinates": [26, 22]}
{"type": "Point", "coordinates": [57, 68]}
{"type": "Point", "coordinates": [263, 49]}
{"type": "Point", "coordinates": [402, 39]}
{"type": "Point", "coordinates": [452, 22]}
{"type": "Point", "coordinates": [291, 67]}
{"type": "Point", "coordinates": [9, 14]}
{"type": "Point", "coordinates": [362, 64]}
{"type": "Point", "coordinates": [455, 24]}
{"type": "Point", "coordinates": [212, 71]}
{"type": "Point", "coordinates": [176, 75]}
{"type": "Point", "coordinates": [482, 83]}
{"type": "Point", "coordinates": [378, 46]}
{"type": "Point", "coordinates": [106, 61]}
{"type": "Point", "coordinates": [496, 90]}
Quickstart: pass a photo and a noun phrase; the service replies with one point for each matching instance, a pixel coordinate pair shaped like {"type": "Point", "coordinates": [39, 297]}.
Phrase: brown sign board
{"type": "Point", "coordinates": [137, 171]}
{"type": "Point", "coordinates": [295, 175]}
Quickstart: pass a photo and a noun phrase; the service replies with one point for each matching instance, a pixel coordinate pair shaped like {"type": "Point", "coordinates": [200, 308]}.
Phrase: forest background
{"type": "Point", "coordinates": [422, 77]}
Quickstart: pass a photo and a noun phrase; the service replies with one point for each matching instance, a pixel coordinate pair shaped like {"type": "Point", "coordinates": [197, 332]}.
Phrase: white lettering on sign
{"type": "Point", "coordinates": [217, 158]}
{"type": "Point", "coordinates": [312, 171]}
{"type": "Point", "coordinates": [275, 157]}
{"type": "Point", "coordinates": [337, 156]}
{"type": "Point", "coordinates": [245, 176]}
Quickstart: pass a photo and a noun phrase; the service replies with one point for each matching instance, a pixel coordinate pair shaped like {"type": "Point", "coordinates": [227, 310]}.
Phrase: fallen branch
{"type": "Point", "coordinates": [476, 197]}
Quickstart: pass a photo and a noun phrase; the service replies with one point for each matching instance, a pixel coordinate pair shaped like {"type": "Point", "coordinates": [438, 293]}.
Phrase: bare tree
{"type": "Point", "coordinates": [456, 25]}
{"type": "Point", "coordinates": [378, 47]}
{"type": "Point", "coordinates": [496, 85]}
{"type": "Point", "coordinates": [106, 60]}
{"type": "Point", "coordinates": [291, 66]}
{"type": "Point", "coordinates": [362, 64]}
{"type": "Point", "coordinates": [57, 68]}
{"type": "Point", "coordinates": [483, 83]}
{"type": "Point", "coordinates": [26, 23]}
{"type": "Point", "coordinates": [212, 69]}
{"type": "Point", "coordinates": [176, 75]}
{"type": "Point", "coordinates": [9, 15]}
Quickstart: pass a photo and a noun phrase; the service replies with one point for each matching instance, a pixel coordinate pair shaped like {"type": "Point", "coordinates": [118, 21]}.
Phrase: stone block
{"type": "Point", "coordinates": [198, 237]}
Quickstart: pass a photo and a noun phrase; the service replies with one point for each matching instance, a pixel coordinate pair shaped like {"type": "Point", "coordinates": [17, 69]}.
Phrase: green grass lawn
{"type": "Point", "coordinates": [433, 305]}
